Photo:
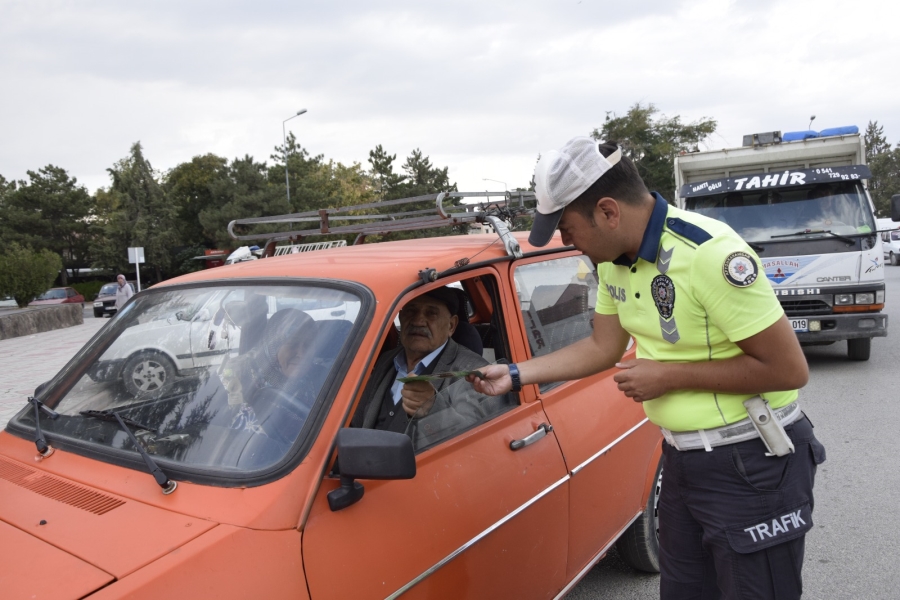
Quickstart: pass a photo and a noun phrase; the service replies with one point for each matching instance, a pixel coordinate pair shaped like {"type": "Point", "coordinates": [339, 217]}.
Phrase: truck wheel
{"type": "Point", "coordinates": [639, 545]}
{"type": "Point", "coordinates": [148, 374]}
{"type": "Point", "coordinates": [859, 348]}
{"type": "Point", "coordinates": [893, 259]}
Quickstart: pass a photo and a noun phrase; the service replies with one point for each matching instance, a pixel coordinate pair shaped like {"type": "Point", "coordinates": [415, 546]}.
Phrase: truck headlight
{"type": "Point", "coordinates": [865, 298]}
{"type": "Point", "coordinates": [840, 299]}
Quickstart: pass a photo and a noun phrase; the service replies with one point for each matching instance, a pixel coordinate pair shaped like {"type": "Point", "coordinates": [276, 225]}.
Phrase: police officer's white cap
{"type": "Point", "coordinates": [561, 176]}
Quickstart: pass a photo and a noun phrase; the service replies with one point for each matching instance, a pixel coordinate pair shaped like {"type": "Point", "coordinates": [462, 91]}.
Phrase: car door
{"type": "Point", "coordinates": [605, 437]}
{"type": "Point", "coordinates": [479, 519]}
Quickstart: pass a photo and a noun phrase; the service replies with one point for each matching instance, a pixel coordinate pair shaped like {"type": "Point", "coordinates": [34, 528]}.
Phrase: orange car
{"type": "Point", "coordinates": [230, 476]}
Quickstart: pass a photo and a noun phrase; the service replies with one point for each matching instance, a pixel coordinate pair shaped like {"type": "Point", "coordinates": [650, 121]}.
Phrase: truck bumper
{"type": "Point", "coordinates": [844, 327]}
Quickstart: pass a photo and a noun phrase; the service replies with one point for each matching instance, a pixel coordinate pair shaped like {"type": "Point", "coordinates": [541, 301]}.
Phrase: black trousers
{"type": "Point", "coordinates": [732, 521]}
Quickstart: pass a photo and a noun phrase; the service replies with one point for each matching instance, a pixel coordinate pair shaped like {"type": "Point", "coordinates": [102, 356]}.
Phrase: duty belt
{"type": "Point", "coordinates": [740, 431]}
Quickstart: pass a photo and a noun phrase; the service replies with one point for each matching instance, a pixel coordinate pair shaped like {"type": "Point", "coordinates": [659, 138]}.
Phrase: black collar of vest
{"type": "Point", "coordinates": [649, 249]}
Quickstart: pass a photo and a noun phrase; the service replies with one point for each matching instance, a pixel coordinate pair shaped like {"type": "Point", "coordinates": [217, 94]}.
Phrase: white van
{"type": "Point", "coordinates": [890, 240]}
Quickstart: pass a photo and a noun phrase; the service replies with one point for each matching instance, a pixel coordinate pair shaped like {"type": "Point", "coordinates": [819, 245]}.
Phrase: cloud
{"type": "Point", "coordinates": [480, 87]}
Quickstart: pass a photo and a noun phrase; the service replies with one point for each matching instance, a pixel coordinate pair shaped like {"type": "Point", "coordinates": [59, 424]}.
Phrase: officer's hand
{"type": "Point", "coordinates": [496, 380]}
{"type": "Point", "coordinates": [641, 379]}
{"type": "Point", "coordinates": [417, 398]}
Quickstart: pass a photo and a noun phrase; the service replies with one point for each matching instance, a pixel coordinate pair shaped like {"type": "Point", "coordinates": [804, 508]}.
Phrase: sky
{"type": "Point", "coordinates": [481, 87]}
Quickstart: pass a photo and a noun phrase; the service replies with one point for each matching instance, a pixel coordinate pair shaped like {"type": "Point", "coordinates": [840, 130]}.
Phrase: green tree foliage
{"type": "Point", "coordinates": [136, 214]}
{"type": "Point", "coordinates": [652, 141]}
{"type": "Point", "coordinates": [383, 175]}
{"type": "Point", "coordinates": [244, 191]}
{"type": "Point", "coordinates": [25, 273]}
{"type": "Point", "coordinates": [49, 211]}
{"type": "Point", "coordinates": [884, 163]}
{"type": "Point", "coordinates": [191, 187]}
{"type": "Point", "coordinates": [420, 177]}
{"type": "Point", "coordinates": [6, 188]}
{"type": "Point", "coordinates": [876, 143]}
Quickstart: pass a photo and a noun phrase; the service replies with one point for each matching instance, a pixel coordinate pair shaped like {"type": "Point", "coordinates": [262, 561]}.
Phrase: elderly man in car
{"type": "Point", "coordinates": [432, 410]}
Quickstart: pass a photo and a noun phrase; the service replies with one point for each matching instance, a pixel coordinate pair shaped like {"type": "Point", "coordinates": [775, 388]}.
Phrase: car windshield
{"type": "Point", "coordinates": [108, 290]}
{"type": "Point", "coordinates": [52, 295]}
{"type": "Point", "coordinates": [214, 377]}
{"type": "Point", "coordinates": [841, 208]}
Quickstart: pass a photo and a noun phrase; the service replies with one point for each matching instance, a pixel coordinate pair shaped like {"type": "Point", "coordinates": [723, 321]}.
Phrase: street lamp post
{"type": "Point", "coordinates": [506, 189]}
{"type": "Point", "coordinates": [287, 181]}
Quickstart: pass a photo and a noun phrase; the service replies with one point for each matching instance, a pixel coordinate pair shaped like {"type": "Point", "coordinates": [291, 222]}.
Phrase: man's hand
{"type": "Point", "coordinates": [495, 381]}
{"type": "Point", "coordinates": [641, 379]}
{"type": "Point", "coordinates": [417, 398]}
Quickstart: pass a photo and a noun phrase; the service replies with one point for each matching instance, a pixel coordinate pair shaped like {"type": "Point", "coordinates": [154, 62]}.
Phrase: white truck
{"type": "Point", "coordinates": [802, 205]}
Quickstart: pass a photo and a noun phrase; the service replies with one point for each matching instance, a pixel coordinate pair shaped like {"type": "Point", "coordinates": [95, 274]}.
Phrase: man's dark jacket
{"type": "Point", "coordinates": [455, 408]}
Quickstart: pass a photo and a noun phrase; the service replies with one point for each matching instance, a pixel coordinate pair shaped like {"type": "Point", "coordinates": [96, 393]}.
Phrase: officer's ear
{"type": "Point", "coordinates": [607, 210]}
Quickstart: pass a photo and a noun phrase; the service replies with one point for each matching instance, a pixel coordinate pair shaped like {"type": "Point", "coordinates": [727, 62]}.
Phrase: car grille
{"type": "Point", "coordinates": [794, 308]}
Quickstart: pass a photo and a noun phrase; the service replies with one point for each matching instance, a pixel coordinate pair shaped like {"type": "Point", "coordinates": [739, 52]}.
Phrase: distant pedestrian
{"type": "Point", "coordinates": [123, 292]}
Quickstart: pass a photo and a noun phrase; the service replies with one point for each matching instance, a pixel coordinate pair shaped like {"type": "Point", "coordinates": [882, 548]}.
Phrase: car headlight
{"type": "Point", "coordinates": [840, 299]}
{"type": "Point", "coordinates": [98, 304]}
{"type": "Point", "coordinates": [865, 298]}
{"type": "Point", "coordinates": [879, 297]}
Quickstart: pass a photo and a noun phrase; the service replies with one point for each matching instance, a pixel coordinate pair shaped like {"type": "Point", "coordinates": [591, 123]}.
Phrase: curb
{"type": "Point", "coordinates": [39, 320]}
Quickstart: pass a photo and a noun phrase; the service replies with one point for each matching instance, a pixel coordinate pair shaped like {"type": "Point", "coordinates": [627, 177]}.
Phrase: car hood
{"type": "Point", "coordinates": [85, 537]}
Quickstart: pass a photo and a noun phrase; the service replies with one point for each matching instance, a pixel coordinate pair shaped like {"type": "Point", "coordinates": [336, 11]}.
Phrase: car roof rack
{"type": "Point", "coordinates": [448, 210]}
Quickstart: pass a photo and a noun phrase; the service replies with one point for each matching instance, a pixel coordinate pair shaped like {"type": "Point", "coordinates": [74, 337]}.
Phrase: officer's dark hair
{"type": "Point", "coordinates": [622, 182]}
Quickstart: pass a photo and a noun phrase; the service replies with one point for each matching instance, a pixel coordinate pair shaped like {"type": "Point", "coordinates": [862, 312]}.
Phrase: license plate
{"type": "Point", "coordinates": [801, 325]}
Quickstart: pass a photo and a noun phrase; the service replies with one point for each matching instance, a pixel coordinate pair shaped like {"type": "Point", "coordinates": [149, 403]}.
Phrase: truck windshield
{"type": "Point", "coordinates": [757, 216]}
{"type": "Point", "coordinates": [221, 378]}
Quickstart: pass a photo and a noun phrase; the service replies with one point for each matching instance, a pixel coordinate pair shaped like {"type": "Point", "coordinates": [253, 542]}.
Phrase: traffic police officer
{"type": "Point", "coordinates": [710, 335]}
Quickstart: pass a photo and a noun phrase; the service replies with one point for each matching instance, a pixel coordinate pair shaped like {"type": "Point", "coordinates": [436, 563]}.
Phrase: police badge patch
{"type": "Point", "coordinates": [663, 291]}
{"type": "Point", "coordinates": [740, 269]}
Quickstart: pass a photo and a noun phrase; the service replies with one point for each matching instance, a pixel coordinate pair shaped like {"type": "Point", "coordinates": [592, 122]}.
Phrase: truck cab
{"type": "Point", "coordinates": [804, 208]}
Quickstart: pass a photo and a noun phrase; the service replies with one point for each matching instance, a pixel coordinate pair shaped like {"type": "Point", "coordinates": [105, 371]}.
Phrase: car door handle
{"type": "Point", "coordinates": [542, 430]}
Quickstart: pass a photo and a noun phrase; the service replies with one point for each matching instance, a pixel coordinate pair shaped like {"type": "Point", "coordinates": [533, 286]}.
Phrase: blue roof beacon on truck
{"type": "Point", "coordinates": [800, 201]}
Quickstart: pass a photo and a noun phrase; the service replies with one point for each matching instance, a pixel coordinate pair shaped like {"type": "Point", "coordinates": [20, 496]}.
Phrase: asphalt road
{"type": "Point", "coordinates": [854, 407]}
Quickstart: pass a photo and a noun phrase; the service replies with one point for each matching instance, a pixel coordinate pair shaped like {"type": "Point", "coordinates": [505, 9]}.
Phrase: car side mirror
{"type": "Point", "coordinates": [895, 207]}
{"type": "Point", "coordinates": [370, 454]}
{"type": "Point", "coordinates": [180, 315]}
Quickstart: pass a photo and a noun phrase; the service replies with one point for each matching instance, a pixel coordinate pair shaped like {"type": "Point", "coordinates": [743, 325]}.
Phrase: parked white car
{"type": "Point", "coordinates": [890, 241]}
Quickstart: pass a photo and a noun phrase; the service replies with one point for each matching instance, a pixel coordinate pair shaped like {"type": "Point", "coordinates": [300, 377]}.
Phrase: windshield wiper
{"type": "Point", "coordinates": [843, 238]}
{"type": "Point", "coordinates": [168, 486]}
{"type": "Point", "coordinates": [43, 448]}
{"type": "Point", "coordinates": [109, 415]}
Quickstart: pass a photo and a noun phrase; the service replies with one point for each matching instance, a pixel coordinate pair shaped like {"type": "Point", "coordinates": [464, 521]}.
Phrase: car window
{"type": "Point", "coordinates": [215, 377]}
{"type": "Point", "coordinates": [108, 290]}
{"type": "Point", "coordinates": [53, 295]}
{"type": "Point", "coordinates": [70, 292]}
{"type": "Point", "coordinates": [456, 406]}
{"type": "Point", "coordinates": [557, 299]}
